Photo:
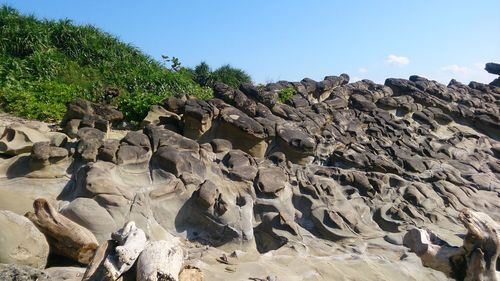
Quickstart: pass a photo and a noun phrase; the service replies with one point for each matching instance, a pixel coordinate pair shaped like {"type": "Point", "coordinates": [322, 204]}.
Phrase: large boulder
{"type": "Point", "coordinates": [197, 118]}
{"type": "Point", "coordinates": [270, 181]}
{"type": "Point", "coordinates": [82, 113]}
{"type": "Point", "coordinates": [48, 161]}
{"type": "Point", "coordinates": [21, 242]}
{"type": "Point", "coordinates": [87, 213]}
{"type": "Point", "coordinates": [90, 141]}
{"type": "Point", "coordinates": [295, 143]}
{"type": "Point", "coordinates": [244, 132]}
{"type": "Point", "coordinates": [493, 68]}
{"type": "Point", "coordinates": [158, 115]}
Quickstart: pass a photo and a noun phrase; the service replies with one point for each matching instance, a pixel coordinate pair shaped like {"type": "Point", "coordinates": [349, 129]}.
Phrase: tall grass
{"type": "Point", "coordinates": [44, 64]}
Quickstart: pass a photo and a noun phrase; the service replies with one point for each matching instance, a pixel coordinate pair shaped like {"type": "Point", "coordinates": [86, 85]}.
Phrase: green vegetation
{"type": "Point", "coordinates": [286, 93]}
{"type": "Point", "coordinates": [225, 74]}
{"type": "Point", "coordinates": [45, 64]}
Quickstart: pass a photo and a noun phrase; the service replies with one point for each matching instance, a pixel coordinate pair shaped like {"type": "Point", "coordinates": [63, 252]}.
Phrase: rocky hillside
{"type": "Point", "coordinates": [342, 181]}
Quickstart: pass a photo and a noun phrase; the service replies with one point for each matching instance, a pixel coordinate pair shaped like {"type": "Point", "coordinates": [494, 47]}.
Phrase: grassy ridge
{"type": "Point", "coordinates": [45, 64]}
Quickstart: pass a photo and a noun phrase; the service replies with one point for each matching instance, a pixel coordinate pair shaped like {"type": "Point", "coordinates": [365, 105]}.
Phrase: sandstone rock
{"type": "Point", "coordinates": [14, 272]}
{"type": "Point", "coordinates": [177, 162]}
{"type": "Point", "coordinates": [271, 180]}
{"type": "Point", "coordinates": [493, 68]}
{"type": "Point", "coordinates": [240, 165]}
{"type": "Point", "coordinates": [79, 109]}
{"type": "Point", "coordinates": [90, 141]}
{"type": "Point", "coordinates": [340, 170]}
{"type": "Point", "coordinates": [57, 139]}
{"type": "Point", "coordinates": [18, 193]}
{"type": "Point", "coordinates": [65, 273]}
{"type": "Point", "coordinates": [191, 273]}
{"type": "Point", "coordinates": [107, 152]}
{"type": "Point", "coordinates": [197, 118]}
{"type": "Point", "coordinates": [295, 143]}
{"type": "Point", "coordinates": [221, 145]}
{"type": "Point", "coordinates": [87, 213]}
{"type": "Point", "coordinates": [42, 155]}
{"type": "Point", "coordinates": [17, 139]}
{"type": "Point", "coordinates": [156, 114]}
{"type": "Point", "coordinates": [21, 242]}
{"type": "Point", "coordinates": [243, 132]}
{"type": "Point", "coordinates": [128, 154]}
{"type": "Point", "coordinates": [163, 137]}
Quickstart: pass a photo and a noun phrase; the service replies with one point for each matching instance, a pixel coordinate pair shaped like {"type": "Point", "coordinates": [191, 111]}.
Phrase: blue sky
{"type": "Point", "coordinates": [288, 40]}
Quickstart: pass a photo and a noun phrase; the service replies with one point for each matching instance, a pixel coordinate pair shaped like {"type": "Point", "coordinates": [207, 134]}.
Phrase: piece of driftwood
{"type": "Point", "coordinates": [131, 241]}
{"type": "Point", "coordinates": [482, 245]}
{"type": "Point", "coordinates": [191, 273]}
{"type": "Point", "coordinates": [433, 252]}
{"type": "Point", "coordinates": [474, 260]}
{"type": "Point", "coordinates": [65, 237]}
{"type": "Point", "coordinates": [95, 269]}
{"type": "Point", "coordinates": [160, 261]}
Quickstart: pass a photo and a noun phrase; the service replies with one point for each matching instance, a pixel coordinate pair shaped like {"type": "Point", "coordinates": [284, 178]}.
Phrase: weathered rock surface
{"type": "Point", "coordinates": [15, 272]}
{"type": "Point", "coordinates": [89, 214]}
{"type": "Point", "coordinates": [85, 114]}
{"type": "Point", "coordinates": [17, 139]}
{"type": "Point", "coordinates": [21, 242]}
{"type": "Point", "coordinates": [340, 171]}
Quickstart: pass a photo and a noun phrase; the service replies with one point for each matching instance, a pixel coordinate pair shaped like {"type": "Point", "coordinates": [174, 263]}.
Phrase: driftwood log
{"type": "Point", "coordinates": [475, 260]}
{"type": "Point", "coordinates": [95, 269]}
{"type": "Point", "coordinates": [65, 237]}
{"type": "Point", "coordinates": [433, 252]}
{"type": "Point", "coordinates": [131, 241]}
{"type": "Point", "coordinates": [160, 261]}
{"type": "Point", "coordinates": [482, 244]}
{"type": "Point", "coordinates": [154, 260]}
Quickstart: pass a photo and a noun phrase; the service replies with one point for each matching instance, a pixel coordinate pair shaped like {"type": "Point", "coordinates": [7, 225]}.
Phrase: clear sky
{"type": "Point", "coordinates": [288, 40]}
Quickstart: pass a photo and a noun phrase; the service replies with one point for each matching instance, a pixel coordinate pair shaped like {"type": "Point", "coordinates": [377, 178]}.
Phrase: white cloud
{"type": "Point", "coordinates": [464, 74]}
{"type": "Point", "coordinates": [362, 70]}
{"type": "Point", "coordinates": [479, 66]}
{"type": "Point", "coordinates": [397, 60]}
{"type": "Point", "coordinates": [455, 69]}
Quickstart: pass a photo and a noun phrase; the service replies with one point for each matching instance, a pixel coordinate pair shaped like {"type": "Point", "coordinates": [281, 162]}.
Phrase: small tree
{"type": "Point", "coordinates": [175, 63]}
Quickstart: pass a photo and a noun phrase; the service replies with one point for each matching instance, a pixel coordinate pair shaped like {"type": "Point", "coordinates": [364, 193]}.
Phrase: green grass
{"type": "Point", "coordinates": [44, 64]}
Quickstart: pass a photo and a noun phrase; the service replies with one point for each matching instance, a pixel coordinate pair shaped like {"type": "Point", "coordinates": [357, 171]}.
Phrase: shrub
{"type": "Point", "coordinates": [136, 106]}
{"type": "Point", "coordinates": [226, 74]}
{"type": "Point", "coordinates": [286, 93]}
{"type": "Point", "coordinates": [43, 100]}
{"type": "Point", "coordinates": [230, 76]}
{"type": "Point", "coordinates": [202, 74]}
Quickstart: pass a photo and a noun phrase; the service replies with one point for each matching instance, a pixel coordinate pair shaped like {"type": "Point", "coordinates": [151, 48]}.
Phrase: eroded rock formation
{"type": "Point", "coordinates": [337, 173]}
